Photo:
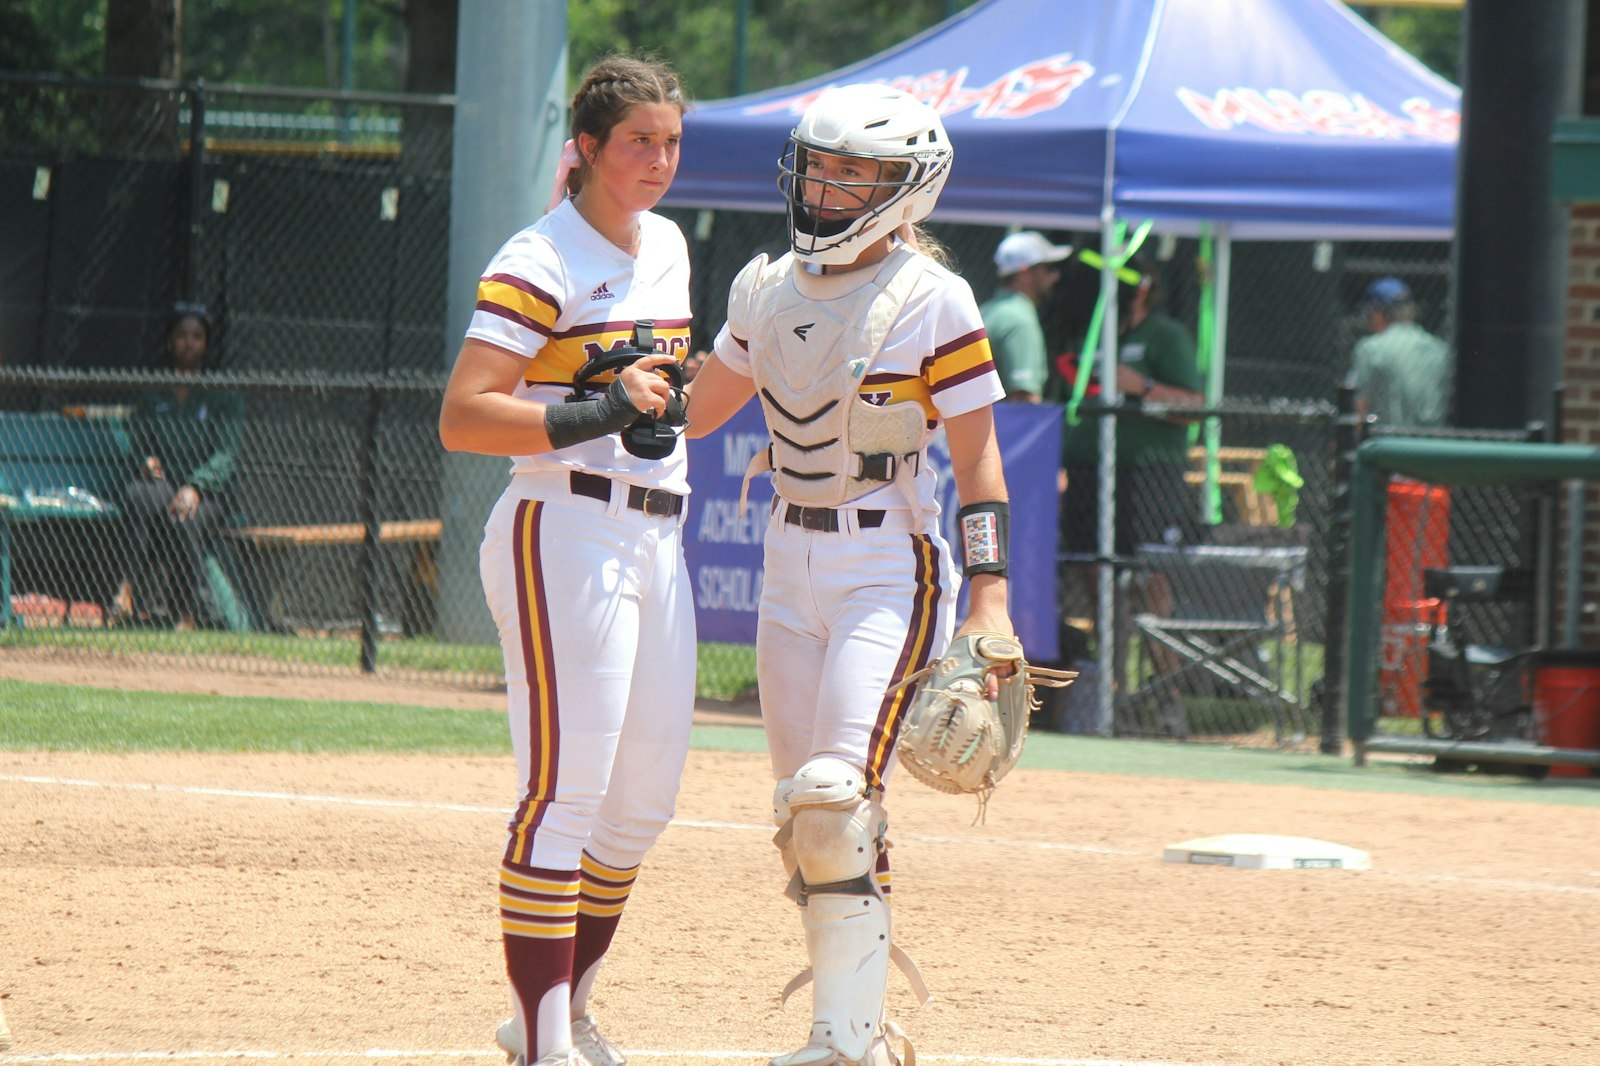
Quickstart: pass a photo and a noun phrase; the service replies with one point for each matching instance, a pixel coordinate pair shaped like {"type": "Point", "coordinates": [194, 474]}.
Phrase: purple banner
{"type": "Point", "coordinates": [724, 548]}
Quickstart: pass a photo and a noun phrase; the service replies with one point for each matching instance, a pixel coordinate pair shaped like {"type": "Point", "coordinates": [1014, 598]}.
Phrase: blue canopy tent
{"type": "Point", "coordinates": [1247, 119]}
{"type": "Point", "coordinates": [1283, 118]}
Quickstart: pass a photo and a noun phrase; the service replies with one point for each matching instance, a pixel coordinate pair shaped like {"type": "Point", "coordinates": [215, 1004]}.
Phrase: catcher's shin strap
{"type": "Point", "coordinates": [901, 959]}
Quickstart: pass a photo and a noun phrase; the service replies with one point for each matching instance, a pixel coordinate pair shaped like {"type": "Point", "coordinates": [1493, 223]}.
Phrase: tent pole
{"type": "Point", "coordinates": [1219, 347]}
{"type": "Point", "coordinates": [1106, 577]}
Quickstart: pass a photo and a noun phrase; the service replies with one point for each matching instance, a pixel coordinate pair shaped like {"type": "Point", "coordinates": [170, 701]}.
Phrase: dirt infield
{"type": "Point", "coordinates": [321, 907]}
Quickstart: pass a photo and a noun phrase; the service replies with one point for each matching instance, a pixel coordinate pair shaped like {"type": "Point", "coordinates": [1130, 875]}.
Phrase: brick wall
{"type": "Point", "coordinates": [1580, 415]}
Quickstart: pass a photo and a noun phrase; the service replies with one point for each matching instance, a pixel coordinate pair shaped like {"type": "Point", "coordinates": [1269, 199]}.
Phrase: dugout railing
{"type": "Point", "coordinates": [1389, 699]}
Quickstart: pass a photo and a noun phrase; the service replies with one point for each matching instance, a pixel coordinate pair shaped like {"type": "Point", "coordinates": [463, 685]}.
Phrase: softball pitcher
{"type": "Point", "coordinates": [582, 560]}
{"type": "Point", "coordinates": [859, 346]}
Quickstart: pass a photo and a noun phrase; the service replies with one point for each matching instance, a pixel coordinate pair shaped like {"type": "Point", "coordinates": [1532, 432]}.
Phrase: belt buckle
{"type": "Point", "coordinates": [659, 503]}
{"type": "Point", "coordinates": [816, 519]}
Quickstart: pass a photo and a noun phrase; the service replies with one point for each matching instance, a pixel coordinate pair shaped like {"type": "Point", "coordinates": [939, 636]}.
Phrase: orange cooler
{"type": "Point", "coordinates": [1566, 703]}
{"type": "Point", "coordinates": [1417, 538]}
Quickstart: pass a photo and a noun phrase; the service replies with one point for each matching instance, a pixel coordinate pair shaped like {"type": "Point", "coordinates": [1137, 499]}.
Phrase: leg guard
{"type": "Point", "coordinates": [832, 832]}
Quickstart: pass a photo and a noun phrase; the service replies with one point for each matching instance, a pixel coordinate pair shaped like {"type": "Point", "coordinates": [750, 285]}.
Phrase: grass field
{"type": "Point", "coordinates": [69, 718]}
{"type": "Point", "coordinates": [724, 671]}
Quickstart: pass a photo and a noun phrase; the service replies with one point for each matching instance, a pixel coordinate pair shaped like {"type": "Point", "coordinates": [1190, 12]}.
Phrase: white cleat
{"type": "Point", "coordinates": [592, 1046]}
{"type": "Point", "coordinates": [510, 1041]}
{"type": "Point", "coordinates": [810, 1055]}
{"type": "Point", "coordinates": [565, 1057]}
{"type": "Point", "coordinates": [879, 1053]}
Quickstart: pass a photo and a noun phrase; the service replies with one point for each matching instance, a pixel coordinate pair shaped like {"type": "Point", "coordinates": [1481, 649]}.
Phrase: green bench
{"type": "Point", "coordinates": [60, 469]}
{"type": "Point", "coordinates": [56, 468]}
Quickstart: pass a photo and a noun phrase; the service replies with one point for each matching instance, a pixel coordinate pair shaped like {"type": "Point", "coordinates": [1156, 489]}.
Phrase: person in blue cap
{"type": "Point", "coordinates": [1401, 372]}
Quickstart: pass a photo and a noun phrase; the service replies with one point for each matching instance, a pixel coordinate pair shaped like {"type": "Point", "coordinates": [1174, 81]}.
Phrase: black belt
{"type": "Point", "coordinates": [826, 519]}
{"type": "Point", "coordinates": [657, 503]}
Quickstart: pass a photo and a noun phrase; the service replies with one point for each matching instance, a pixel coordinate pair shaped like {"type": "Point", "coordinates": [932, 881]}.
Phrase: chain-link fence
{"type": "Point", "coordinates": [311, 545]}
{"type": "Point", "coordinates": [314, 228]}
{"type": "Point", "coordinates": [1453, 647]}
{"type": "Point", "coordinates": [1467, 580]}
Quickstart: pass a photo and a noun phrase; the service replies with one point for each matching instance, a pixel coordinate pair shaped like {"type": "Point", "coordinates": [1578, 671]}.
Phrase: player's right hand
{"type": "Point", "coordinates": [647, 390]}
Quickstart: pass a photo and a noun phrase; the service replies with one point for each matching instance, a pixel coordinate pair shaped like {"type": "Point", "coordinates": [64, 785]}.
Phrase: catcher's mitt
{"type": "Point", "coordinates": [953, 738]}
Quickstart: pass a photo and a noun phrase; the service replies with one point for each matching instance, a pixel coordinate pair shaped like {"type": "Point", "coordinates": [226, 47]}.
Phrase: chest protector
{"type": "Point", "coordinates": [808, 358]}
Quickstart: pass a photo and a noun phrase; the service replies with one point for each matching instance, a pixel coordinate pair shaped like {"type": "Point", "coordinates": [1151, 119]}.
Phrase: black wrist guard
{"type": "Point", "coordinates": [985, 531]}
{"type": "Point", "coordinates": [567, 424]}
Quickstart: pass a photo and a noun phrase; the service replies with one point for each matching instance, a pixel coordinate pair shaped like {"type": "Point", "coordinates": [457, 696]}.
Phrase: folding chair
{"type": "Point", "coordinates": [1476, 690]}
{"type": "Point", "coordinates": [1230, 631]}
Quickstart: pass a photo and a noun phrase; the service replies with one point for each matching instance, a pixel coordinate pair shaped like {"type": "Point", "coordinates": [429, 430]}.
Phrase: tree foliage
{"type": "Point", "coordinates": [1432, 35]}
{"type": "Point", "coordinates": [266, 42]}
{"type": "Point", "coordinates": [785, 41]}
{"type": "Point", "coordinates": [299, 42]}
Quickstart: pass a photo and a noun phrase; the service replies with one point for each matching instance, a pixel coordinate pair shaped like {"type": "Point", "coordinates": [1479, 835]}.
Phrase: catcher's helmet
{"type": "Point", "coordinates": [893, 129]}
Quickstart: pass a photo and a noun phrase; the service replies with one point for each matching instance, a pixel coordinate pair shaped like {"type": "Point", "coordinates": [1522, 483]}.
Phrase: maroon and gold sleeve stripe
{"type": "Point", "coordinates": [960, 360]}
{"type": "Point", "coordinates": [520, 301]}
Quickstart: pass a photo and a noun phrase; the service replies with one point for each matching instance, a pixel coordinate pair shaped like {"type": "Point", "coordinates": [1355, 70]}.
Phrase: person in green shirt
{"type": "Point", "coordinates": [185, 442]}
{"type": "Point", "coordinates": [1401, 373]}
{"type": "Point", "coordinates": [1156, 363]}
{"type": "Point", "coordinates": [1027, 265]}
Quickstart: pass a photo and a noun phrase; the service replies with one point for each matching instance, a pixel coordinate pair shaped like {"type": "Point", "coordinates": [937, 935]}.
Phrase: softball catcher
{"type": "Point", "coordinates": [860, 344]}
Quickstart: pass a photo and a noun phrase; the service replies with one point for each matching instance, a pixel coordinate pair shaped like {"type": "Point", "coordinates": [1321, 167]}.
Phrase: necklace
{"type": "Point", "coordinates": [630, 247]}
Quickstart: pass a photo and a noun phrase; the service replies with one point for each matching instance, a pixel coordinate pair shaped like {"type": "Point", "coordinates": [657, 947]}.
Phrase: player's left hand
{"type": "Point", "coordinates": [988, 615]}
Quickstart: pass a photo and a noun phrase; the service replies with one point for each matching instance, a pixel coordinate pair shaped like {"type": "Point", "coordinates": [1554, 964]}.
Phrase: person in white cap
{"type": "Point", "coordinates": [1026, 263]}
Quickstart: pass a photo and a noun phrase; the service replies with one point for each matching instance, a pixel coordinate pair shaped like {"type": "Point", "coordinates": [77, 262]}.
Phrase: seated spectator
{"type": "Point", "coordinates": [185, 441]}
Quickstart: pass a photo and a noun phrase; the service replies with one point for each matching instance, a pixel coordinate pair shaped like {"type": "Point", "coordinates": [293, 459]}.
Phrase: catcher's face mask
{"type": "Point", "coordinates": [900, 155]}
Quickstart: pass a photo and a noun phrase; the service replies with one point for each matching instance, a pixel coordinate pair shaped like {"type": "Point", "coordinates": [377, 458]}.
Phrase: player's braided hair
{"type": "Point", "coordinates": [609, 89]}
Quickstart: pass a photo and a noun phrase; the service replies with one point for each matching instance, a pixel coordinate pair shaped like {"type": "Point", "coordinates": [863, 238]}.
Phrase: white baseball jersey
{"type": "Point", "coordinates": [562, 308]}
{"type": "Point", "coordinates": [936, 354]}
{"type": "Point", "coordinates": [845, 614]}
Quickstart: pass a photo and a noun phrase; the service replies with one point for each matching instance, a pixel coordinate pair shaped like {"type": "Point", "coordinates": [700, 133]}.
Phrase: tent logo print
{"type": "Point", "coordinates": [1028, 89]}
{"type": "Point", "coordinates": [1322, 113]}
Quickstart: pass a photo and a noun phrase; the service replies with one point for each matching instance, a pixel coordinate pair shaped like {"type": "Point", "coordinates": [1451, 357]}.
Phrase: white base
{"type": "Point", "coordinates": [1263, 851]}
